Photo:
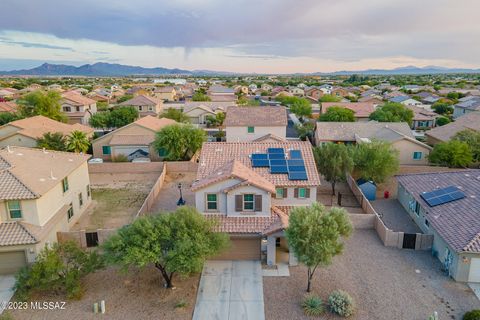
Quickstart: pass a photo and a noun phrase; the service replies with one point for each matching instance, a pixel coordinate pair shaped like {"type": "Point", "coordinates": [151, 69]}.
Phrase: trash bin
{"type": "Point", "coordinates": [386, 194]}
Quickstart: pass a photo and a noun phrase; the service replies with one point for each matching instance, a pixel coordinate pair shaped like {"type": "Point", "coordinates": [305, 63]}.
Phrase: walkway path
{"type": "Point", "coordinates": [6, 292]}
{"type": "Point", "coordinates": [230, 290]}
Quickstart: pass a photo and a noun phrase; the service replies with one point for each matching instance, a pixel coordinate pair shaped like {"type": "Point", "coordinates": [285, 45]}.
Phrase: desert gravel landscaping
{"type": "Point", "coordinates": [386, 283]}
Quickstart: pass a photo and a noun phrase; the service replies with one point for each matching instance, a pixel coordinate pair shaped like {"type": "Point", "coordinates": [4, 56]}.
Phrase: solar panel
{"type": "Point", "coordinates": [276, 156]}
{"type": "Point", "coordinates": [278, 162]}
{"type": "Point", "coordinates": [297, 175]}
{"type": "Point", "coordinates": [296, 168]}
{"type": "Point", "coordinates": [260, 163]}
{"type": "Point", "coordinates": [275, 150]}
{"type": "Point", "coordinates": [278, 169]}
{"type": "Point", "coordinates": [441, 196]}
{"type": "Point", "coordinates": [295, 154]}
{"type": "Point", "coordinates": [262, 156]}
{"type": "Point", "coordinates": [295, 163]}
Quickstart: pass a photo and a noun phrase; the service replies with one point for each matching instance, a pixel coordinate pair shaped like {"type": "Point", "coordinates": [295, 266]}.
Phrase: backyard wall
{"type": "Point", "coordinates": [80, 239]}
{"type": "Point", "coordinates": [125, 167]}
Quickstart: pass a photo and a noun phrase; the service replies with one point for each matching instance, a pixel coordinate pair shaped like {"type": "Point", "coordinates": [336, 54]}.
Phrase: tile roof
{"type": "Point", "coordinates": [167, 89]}
{"type": "Point", "coordinates": [215, 155]}
{"type": "Point", "coordinates": [457, 222]}
{"type": "Point", "coordinates": [13, 233]}
{"type": "Point", "coordinates": [8, 106]}
{"type": "Point", "coordinates": [348, 131]}
{"type": "Point", "coordinates": [141, 100]}
{"type": "Point", "coordinates": [361, 109]}
{"type": "Point", "coordinates": [470, 120]}
{"type": "Point", "coordinates": [256, 116]}
{"type": "Point", "coordinates": [35, 127]}
{"type": "Point", "coordinates": [154, 123]}
{"type": "Point", "coordinates": [470, 104]}
{"type": "Point", "coordinates": [132, 139]}
{"type": "Point", "coordinates": [421, 114]}
{"type": "Point", "coordinates": [270, 137]}
{"type": "Point", "coordinates": [33, 172]}
{"type": "Point", "coordinates": [77, 98]}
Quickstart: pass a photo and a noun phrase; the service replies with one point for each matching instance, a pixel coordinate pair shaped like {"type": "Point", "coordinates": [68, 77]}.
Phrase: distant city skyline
{"type": "Point", "coordinates": [271, 36]}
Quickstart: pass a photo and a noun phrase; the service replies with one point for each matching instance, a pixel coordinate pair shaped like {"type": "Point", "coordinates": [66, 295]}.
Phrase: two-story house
{"type": "Point", "coordinates": [447, 205]}
{"type": "Point", "coordinates": [251, 123]}
{"type": "Point", "coordinates": [145, 105]}
{"type": "Point", "coordinates": [467, 105]}
{"type": "Point", "coordinates": [250, 188]}
{"type": "Point", "coordinates": [41, 193]}
{"type": "Point", "coordinates": [77, 107]}
{"type": "Point", "coordinates": [165, 93]}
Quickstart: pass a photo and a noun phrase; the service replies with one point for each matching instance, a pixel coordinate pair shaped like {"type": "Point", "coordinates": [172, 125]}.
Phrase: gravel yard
{"type": "Point", "coordinates": [138, 295]}
{"type": "Point", "coordinates": [386, 283]}
{"type": "Point", "coordinates": [169, 194]}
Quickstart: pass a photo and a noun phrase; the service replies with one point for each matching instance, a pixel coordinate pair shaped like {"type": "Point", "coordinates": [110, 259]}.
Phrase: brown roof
{"type": "Point", "coordinates": [35, 127]}
{"type": "Point", "coordinates": [77, 99]}
{"type": "Point", "coordinates": [132, 139]}
{"type": "Point", "coordinates": [141, 100]}
{"type": "Point", "coordinates": [421, 114]}
{"type": "Point", "coordinates": [361, 109]}
{"type": "Point", "coordinates": [13, 233]}
{"type": "Point", "coordinates": [470, 120]}
{"type": "Point", "coordinates": [167, 89]}
{"type": "Point", "coordinates": [154, 123]}
{"type": "Point", "coordinates": [8, 106]}
{"type": "Point", "coordinates": [256, 116]}
{"type": "Point", "coordinates": [269, 137]}
{"type": "Point", "coordinates": [29, 173]}
{"type": "Point", "coordinates": [215, 155]}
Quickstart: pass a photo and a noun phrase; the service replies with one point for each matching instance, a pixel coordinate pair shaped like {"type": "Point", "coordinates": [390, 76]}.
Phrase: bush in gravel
{"type": "Point", "coordinates": [341, 303]}
{"type": "Point", "coordinates": [472, 315]}
{"type": "Point", "coordinates": [313, 306]}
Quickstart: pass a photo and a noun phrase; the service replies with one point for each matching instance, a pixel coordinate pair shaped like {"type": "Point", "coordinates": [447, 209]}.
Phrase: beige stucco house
{"type": "Point", "coordinates": [77, 107]}
{"type": "Point", "coordinates": [399, 134]}
{"type": "Point", "coordinates": [251, 123]}
{"type": "Point", "coordinates": [145, 105]}
{"type": "Point", "coordinates": [41, 193]}
{"type": "Point", "coordinates": [133, 140]}
{"type": "Point", "coordinates": [166, 93]}
{"type": "Point", "coordinates": [26, 132]}
{"type": "Point", "coordinates": [250, 202]}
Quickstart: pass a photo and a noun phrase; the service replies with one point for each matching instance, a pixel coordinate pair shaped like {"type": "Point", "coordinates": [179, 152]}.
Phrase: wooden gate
{"type": "Point", "coordinates": [409, 240]}
{"type": "Point", "coordinates": [92, 239]}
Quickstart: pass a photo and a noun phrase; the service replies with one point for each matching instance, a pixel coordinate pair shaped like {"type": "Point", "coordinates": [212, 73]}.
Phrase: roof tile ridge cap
{"type": "Point", "coordinates": [470, 243]}
{"type": "Point", "coordinates": [26, 230]}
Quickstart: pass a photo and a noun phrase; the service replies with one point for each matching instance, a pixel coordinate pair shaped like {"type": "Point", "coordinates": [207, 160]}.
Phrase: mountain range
{"type": "Point", "coordinates": [102, 69]}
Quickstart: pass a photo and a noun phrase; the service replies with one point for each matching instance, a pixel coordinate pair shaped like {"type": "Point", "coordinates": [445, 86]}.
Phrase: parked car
{"type": "Point", "coordinates": [95, 160]}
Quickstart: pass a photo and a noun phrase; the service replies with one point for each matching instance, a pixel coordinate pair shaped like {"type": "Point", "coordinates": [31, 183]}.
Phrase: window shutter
{"type": "Point", "coordinates": [307, 193]}
{"type": "Point", "coordinates": [258, 202]}
{"type": "Point", "coordinates": [295, 192]}
{"type": "Point", "coordinates": [285, 192]}
{"type": "Point", "coordinates": [238, 203]}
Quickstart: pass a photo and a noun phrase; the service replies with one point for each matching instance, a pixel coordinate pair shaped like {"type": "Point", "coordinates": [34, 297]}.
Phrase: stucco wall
{"type": "Point", "coordinates": [406, 149]}
{"type": "Point", "coordinates": [290, 200]}
{"type": "Point", "coordinates": [18, 140]}
{"type": "Point", "coordinates": [234, 134]}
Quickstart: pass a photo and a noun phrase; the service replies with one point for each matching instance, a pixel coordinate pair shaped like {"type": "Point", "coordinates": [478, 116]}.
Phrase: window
{"type": "Point", "coordinates": [67, 109]}
{"type": "Point", "coordinates": [88, 191]}
{"type": "Point", "coordinates": [427, 224]}
{"type": "Point", "coordinates": [248, 202]}
{"type": "Point", "coordinates": [14, 209]}
{"type": "Point", "coordinates": [417, 155]}
{"type": "Point", "coordinates": [106, 150]}
{"type": "Point", "coordinates": [150, 108]}
{"type": "Point", "coordinates": [417, 208]}
{"type": "Point", "coordinates": [211, 201]}
{"type": "Point", "coordinates": [77, 109]}
{"type": "Point", "coordinates": [162, 152]}
{"type": "Point", "coordinates": [140, 108]}
{"type": "Point", "coordinates": [250, 129]}
{"type": "Point", "coordinates": [302, 192]}
{"type": "Point", "coordinates": [279, 193]}
{"type": "Point", "coordinates": [65, 184]}
{"type": "Point", "coordinates": [80, 199]}
{"type": "Point", "coordinates": [70, 212]}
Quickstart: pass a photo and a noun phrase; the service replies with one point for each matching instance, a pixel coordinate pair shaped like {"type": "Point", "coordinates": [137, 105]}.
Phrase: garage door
{"type": "Point", "coordinates": [474, 275]}
{"type": "Point", "coordinates": [11, 262]}
{"type": "Point", "coordinates": [242, 249]}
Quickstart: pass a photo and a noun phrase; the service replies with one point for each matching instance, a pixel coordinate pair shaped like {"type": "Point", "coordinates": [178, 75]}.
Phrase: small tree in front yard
{"type": "Point", "coordinates": [376, 160]}
{"type": "Point", "coordinates": [333, 161]}
{"type": "Point", "coordinates": [59, 269]}
{"type": "Point", "coordinates": [180, 141]}
{"type": "Point", "coordinates": [315, 235]}
{"type": "Point", "coordinates": [177, 242]}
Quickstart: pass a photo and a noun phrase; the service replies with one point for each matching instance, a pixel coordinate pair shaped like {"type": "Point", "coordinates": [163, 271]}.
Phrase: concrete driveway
{"type": "Point", "coordinates": [6, 292]}
{"type": "Point", "coordinates": [230, 290]}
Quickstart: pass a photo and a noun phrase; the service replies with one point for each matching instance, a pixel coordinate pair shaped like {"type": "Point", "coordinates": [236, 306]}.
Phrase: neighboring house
{"type": "Point", "coordinates": [242, 89]}
{"type": "Point", "coordinates": [296, 91]}
{"type": "Point", "coordinates": [9, 93]}
{"type": "Point", "coordinates": [470, 121]}
{"type": "Point", "coordinates": [77, 107]}
{"type": "Point", "coordinates": [375, 100]}
{"type": "Point", "coordinates": [405, 100]}
{"type": "Point", "coordinates": [250, 123]}
{"type": "Point", "coordinates": [314, 93]}
{"type": "Point", "coordinates": [8, 106]}
{"type": "Point", "coordinates": [423, 119]}
{"type": "Point", "coordinates": [165, 93]}
{"type": "Point", "coordinates": [133, 140]}
{"type": "Point", "coordinates": [428, 97]}
{"type": "Point", "coordinates": [26, 132]}
{"type": "Point", "coordinates": [362, 109]}
{"type": "Point", "coordinates": [198, 111]}
{"type": "Point", "coordinates": [411, 151]}
{"type": "Point", "coordinates": [98, 97]}
{"type": "Point", "coordinates": [466, 106]}
{"type": "Point", "coordinates": [266, 87]}
{"type": "Point", "coordinates": [41, 193]}
{"type": "Point", "coordinates": [145, 105]}
{"type": "Point", "coordinates": [446, 205]}
{"type": "Point", "coordinates": [340, 92]}
{"type": "Point", "coordinates": [250, 202]}
{"type": "Point", "coordinates": [221, 94]}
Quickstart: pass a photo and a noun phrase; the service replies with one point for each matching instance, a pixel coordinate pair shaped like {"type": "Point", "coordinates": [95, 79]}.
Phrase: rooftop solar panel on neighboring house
{"type": "Point", "coordinates": [441, 196]}
{"type": "Point", "coordinates": [296, 168]}
{"type": "Point", "coordinates": [260, 163]}
{"type": "Point", "coordinates": [278, 169]}
{"type": "Point", "coordinates": [275, 150]}
{"type": "Point", "coordinates": [295, 163]}
{"type": "Point", "coordinates": [276, 156]}
{"type": "Point", "coordinates": [297, 175]}
{"type": "Point", "coordinates": [295, 154]}
{"type": "Point", "coordinates": [278, 162]}
{"type": "Point", "coordinates": [262, 156]}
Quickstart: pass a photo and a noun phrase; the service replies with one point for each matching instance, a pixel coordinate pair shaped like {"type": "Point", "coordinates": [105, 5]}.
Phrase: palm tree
{"type": "Point", "coordinates": [77, 142]}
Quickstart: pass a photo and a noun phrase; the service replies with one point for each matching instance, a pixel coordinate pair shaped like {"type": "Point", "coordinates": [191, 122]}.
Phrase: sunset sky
{"type": "Point", "coordinates": [268, 36]}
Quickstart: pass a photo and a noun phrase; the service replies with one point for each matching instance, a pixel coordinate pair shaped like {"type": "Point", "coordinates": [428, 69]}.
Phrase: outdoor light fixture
{"type": "Point", "coordinates": [180, 201]}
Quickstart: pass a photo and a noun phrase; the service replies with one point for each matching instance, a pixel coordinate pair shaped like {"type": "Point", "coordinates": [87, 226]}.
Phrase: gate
{"type": "Point", "coordinates": [409, 240]}
{"type": "Point", "coordinates": [92, 239]}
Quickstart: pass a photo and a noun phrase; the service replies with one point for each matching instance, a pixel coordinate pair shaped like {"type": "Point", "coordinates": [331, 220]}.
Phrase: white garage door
{"type": "Point", "coordinates": [474, 275]}
{"type": "Point", "coordinates": [11, 262]}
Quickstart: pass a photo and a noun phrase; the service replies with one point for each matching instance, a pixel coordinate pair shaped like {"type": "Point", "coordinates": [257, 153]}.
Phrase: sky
{"type": "Point", "coordinates": [266, 36]}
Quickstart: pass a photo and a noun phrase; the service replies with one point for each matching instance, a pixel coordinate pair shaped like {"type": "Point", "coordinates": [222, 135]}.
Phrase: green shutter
{"type": "Point", "coordinates": [106, 150]}
{"type": "Point", "coordinates": [250, 129]}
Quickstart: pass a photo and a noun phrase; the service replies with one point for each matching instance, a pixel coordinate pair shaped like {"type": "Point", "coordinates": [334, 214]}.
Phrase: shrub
{"type": "Point", "coordinates": [341, 303]}
{"type": "Point", "coordinates": [181, 304]}
{"type": "Point", "coordinates": [472, 315]}
{"type": "Point", "coordinates": [313, 306]}
{"type": "Point", "coordinates": [120, 158]}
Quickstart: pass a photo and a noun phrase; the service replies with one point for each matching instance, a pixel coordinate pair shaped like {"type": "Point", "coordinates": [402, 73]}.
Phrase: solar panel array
{"type": "Point", "coordinates": [441, 196]}
{"type": "Point", "coordinates": [279, 163]}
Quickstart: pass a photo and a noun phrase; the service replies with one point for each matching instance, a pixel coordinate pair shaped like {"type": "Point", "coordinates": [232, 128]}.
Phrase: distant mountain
{"type": "Point", "coordinates": [408, 70]}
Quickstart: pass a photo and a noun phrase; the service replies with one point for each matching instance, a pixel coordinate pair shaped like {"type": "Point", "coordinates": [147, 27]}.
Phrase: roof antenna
{"type": "Point", "coordinates": [51, 175]}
